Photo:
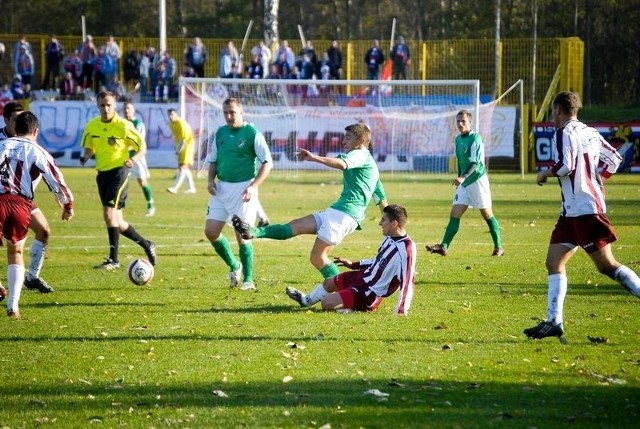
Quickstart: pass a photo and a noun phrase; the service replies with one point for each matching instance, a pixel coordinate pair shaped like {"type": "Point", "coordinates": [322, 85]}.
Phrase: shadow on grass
{"type": "Point", "coordinates": [539, 401]}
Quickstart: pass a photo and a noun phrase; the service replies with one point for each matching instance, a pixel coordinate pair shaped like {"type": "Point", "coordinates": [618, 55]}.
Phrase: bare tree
{"type": "Point", "coordinates": [271, 34]}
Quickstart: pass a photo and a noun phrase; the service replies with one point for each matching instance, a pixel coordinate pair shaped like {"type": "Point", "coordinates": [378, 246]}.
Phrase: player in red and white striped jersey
{"type": "Point", "coordinates": [22, 162]}
{"type": "Point", "coordinates": [371, 280]}
{"type": "Point", "coordinates": [578, 152]}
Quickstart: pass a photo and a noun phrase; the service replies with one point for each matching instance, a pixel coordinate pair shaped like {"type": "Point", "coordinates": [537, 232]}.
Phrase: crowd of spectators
{"type": "Point", "coordinates": [89, 69]}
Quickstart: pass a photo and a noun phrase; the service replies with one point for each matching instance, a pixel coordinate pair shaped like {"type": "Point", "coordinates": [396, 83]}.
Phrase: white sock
{"type": "Point", "coordinates": [179, 179]}
{"type": "Point", "coordinates": [316, 295]}
{"type": "Point", "coordinates": [38, 249]}
{"type": "Point", "coordinates": [628, 278]}
{"type": "Point", "coordinates": [262, 215]}
{"type": "Point", "coordinates": [190, 179]}
{"type": "Point", "coordinates": [15, 278]}
{"type": "Point", "coordinates": [555, 297]}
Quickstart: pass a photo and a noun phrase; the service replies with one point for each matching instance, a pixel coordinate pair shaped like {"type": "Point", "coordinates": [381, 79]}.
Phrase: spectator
{"type": "Point", "coordinates": [5, 93]}
{"type": "Point", "coordinates": [143, 75]}
{"type": "Point", "coordinates": [87, 53]}
{"type": "Point", "coordinates": [21, 43]}
{"type": "Point", "coordinates": [102, 68]}
{"type": "Point", "coordinates": [117, 88]}
{"type": "Point", "coordinates": [229, 60]}
{"type": "Point", "coordinates": [68, 87]}
{"type": "Point", "coordinates": [308, 50]}
{"type": "Point", "coordinates": [335, 56]}
{"type": "Point", "coordinates": [401, 57]}
{"type": "Point", "coordinates": [254, 68]}
{"type": "Point", "coordinates": [166, 71]}
{"type": "Point", "coordinates": [196, 56]}
{"type": "Point", "coordinates": [188, 72]}
{"type": "Point", "coordinates": [25, 68]}
{"type": "Point", "coordinates": [154, 58]}
{"type": "Point", "coordinates": [132, 66]}
{"type": "Point", "coordinates": [18, 90]}
{"type": "Point", "coordinates": [289, 56]}
{"type": "Point", "coordinates": [283, 65]}
{"type": "Point", "coordinates": [264, 55]}
{"type": "Point", "coordinates": [373, 59]}
{"type": "Point", "coordinates": [112, 50]}
{"type": "Point", "coordinates": [54, 52]}
{"type": "Point", "coordinates": [73, 64]}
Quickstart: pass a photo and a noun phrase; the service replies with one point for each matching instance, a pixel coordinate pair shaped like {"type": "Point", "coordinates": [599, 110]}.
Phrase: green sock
{"type": "Point", "coordinates": [329, 270]}
{"type": "Point", "coordinates": [148, 195]}
{"type": "Point", "coordinates": [223, 249]}
{"type": "Point", "coordinates": [451, 231]}
{"type": "Point", "coordinates": [246, 257]}
{"type": "Point", "coordinates": [276, 232]}
{"type": "Point", "coordinates": [494, 229]}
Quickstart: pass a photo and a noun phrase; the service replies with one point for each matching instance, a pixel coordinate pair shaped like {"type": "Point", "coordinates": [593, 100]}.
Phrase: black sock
{"type": "Point", "coordinates": [114, 240]}
{"type": "Point", "coordinates": [133, 235]}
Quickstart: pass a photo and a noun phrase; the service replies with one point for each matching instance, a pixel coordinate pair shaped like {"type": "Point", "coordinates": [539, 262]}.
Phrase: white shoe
{"type": "Point", "coordinates": [150, 211]}
{"type": "Point", "coordinates": [190, 191]}
{"type": "Point", "coordinates": [234, 277]}
{"type": "Point", "coordinates": [248, 286]}
{"type": "Point", "coordinates": [172, 190]}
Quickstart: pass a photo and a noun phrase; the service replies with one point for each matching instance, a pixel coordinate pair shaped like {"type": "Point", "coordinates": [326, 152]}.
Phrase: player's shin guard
{"type": "Point", "coordinates": [494, 229]}
{"type": "Point", "coordinates": [37, 252]}
{"type": "Point", "coordinates": [316, 295]}
{"type": "Point", "coordinates": [246, 257]}
{"type": "Point", "coordinates": [452, 229]}
{"type": "Point", "coordinates": [223, 249]}
{"type": "Point", "coordinates": [275, 232]}
{"type": "Point", "coordinates": [329, 270]}
{"type": "Point", "coordinates": [628, 278]}
{"type": "Point", "coordinates": [15, 279]}
{"type": "Point", "coordinates": [555, 297]}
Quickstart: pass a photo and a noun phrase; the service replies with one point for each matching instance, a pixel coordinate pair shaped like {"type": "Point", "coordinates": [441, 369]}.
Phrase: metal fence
{"type": "Point", "coordinates": [442, 59]}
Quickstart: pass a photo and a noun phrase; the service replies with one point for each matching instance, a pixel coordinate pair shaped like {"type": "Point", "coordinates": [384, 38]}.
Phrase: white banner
{"type": "Point", "coordinates": [397, 141]}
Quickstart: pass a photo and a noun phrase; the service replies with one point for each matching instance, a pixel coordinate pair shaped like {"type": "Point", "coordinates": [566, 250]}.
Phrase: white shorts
{"type": "Point", "coordinates": [228, 202]}
{"type": "Point", "coordinates": [334, 225]}
{"type": "Point", "coordinates": [140, 169]}
{"type": "Point", "coordinates": [476, 195]}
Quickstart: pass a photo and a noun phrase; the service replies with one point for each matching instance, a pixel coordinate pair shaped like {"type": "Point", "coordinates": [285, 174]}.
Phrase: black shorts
{"type": "Point", "coordinates": [113, 186]}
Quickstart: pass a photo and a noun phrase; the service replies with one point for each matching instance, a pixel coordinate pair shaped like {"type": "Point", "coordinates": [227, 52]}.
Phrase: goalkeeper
{"type": "Point", "coordinates": [361, 182]}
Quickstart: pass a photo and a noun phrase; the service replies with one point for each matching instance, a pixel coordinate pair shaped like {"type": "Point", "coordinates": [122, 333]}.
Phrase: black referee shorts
{"type": "Point", "coordinates": [113, 186]}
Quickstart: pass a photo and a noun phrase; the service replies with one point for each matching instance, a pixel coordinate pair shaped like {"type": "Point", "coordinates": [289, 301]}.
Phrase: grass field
{"type": "Point", "coordinates": [188, 352]}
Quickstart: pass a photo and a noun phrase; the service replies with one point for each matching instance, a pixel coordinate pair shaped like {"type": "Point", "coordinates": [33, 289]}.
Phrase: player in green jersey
{"type": "Point", "coordinates": [361, 182]}
{"type": "Point", "coordinates": [140, 170]}
{"type": "Point", "coordinates": [472, 186]}
{"type": "Point", "coordinates": [234, 179]}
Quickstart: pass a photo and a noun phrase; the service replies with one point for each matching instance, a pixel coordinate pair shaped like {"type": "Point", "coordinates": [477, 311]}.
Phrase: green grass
{"type": "Point", "coordinates": [100, 352]}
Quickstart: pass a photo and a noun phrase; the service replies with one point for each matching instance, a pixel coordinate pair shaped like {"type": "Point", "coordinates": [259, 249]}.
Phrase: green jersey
{"type": "Point", "coordinates": [235, 151]}
{"type": "Point", "coordinates": [470, 149]}
{"type": "Point", "coordinates": [360, 182]}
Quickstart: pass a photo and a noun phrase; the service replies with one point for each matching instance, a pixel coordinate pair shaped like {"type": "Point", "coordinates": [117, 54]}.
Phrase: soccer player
{"type": "Point", "coordinates": [361, 182]}
{"type": "Point", "coordinates": [371, 280]}
{"type": "Point", "coordinates": [184, 145]}
{"type": "Point", "coordinates": [38, 223]}
{"type": "Point", "coordinates": [140, 170]}
{"type": "Point", "coordinates": [110, 138]}
{"type": "Point", "coordinates": [232, 162]}
{"type": "Point", "coordinates": [472, 187]}
{"type": "Point", "coordinates": [578, 150]}
{"type": "Point", "coordinates": [23, 162]}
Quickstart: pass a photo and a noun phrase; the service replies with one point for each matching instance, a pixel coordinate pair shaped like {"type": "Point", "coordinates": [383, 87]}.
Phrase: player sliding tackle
{"type": "Point", "coordinates": [371, 280]}
{"type": "Point", "coordinates": [361, 182]}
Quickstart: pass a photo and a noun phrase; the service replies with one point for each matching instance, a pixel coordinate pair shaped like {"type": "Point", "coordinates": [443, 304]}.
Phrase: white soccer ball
{"type": "Point", "coordinates": [140, 272]}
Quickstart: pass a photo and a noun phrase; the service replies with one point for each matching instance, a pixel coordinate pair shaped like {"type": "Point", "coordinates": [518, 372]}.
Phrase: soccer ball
{"type": "Point", "coordinates": [140, 272]}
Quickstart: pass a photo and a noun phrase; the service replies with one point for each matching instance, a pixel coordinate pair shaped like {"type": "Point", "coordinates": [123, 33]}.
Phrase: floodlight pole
{"type": "Point", "coordinates": [163, 25]}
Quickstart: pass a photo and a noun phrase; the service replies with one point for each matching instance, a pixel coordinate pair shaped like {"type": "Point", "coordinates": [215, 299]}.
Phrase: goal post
{"type": "Point", "coordinates": [412, 122]}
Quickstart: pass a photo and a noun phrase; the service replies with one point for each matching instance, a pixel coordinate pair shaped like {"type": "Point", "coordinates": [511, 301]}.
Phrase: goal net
{"type": "Point", "coordinates": [412, 122]}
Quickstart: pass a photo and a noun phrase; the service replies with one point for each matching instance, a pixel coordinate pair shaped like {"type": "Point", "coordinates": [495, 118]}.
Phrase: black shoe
{"type": "Point", "coordinates": [437, 248]}
{"type": "Point", "coordinates": [108, 264]}
{"type": "Point", "coordinates": [242, 228]}
{"type": "Point", "coordinates": [150, 250]}
{"type": "Point", "coordinates": [297, 296]}
{"type": "Point", "coordinates": [39, 284]}
{"type": "Point", "coordinates": [544, 329]}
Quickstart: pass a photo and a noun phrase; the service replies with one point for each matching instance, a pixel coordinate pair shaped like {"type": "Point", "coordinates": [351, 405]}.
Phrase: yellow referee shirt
{"type": "Point", "coordinates": [111, 141]}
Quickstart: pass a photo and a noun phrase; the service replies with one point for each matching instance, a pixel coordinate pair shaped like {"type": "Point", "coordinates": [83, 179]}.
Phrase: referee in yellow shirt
{"type": "Point", "coordinates": [110, 137]}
